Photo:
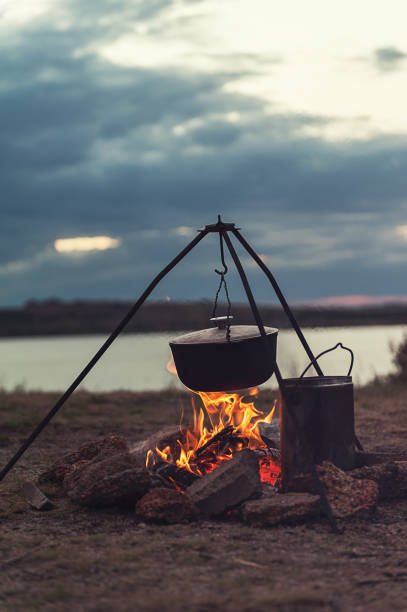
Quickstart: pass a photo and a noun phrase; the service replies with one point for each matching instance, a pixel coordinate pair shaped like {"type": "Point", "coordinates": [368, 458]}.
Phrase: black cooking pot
{"type": "Point", "coordinates": [215, 360]}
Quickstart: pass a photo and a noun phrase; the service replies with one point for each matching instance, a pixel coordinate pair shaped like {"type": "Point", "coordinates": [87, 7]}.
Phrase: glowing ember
{"type": "Point", "coordinates": [226, 424]}
{"type": "Point", "coordinates": [270, 471]}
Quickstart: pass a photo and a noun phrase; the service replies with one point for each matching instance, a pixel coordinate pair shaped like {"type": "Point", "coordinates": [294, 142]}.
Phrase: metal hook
{"type": "Point", "coordinates": [222, 256]}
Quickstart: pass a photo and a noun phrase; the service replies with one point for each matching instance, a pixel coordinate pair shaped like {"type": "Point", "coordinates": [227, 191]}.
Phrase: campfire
{"type": "Point", "coordinates": [226, 463]}
{"type": "Point", "coordinates": [225, 424]}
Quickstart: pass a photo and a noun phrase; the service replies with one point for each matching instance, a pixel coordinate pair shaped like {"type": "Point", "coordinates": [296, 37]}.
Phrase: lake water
{"type": "Point", "coordinates": [137, 362]}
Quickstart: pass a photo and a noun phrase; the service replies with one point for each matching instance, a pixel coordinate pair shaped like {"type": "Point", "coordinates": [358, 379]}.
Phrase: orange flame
{"type": "Point", "coordinates": [171, 366]}
{"type": "Point", "coordinates": [226, 424]}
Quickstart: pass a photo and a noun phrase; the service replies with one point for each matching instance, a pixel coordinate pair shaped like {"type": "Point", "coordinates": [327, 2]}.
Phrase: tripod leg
{"type": "Point", "coordinates": [282, 299]}
{"type": "Point", "coordinates": [287, 310]}
{"type": "Point", "coordinates": [256, 314]}
{"type": "Point", "coordinates": [100, 352]}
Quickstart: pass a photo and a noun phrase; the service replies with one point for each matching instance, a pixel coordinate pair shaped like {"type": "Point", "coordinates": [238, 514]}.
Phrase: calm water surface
{"type": "Point", "coordinates": [137, 361]}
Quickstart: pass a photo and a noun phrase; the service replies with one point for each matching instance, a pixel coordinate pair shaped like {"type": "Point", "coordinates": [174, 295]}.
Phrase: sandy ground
{"type": "Point", "coordinates": [74, 559]}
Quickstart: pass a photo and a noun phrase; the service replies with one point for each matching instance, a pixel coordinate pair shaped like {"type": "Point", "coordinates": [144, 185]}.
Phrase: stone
{"type": "Point", "coordinates": [391, 478]}
{"type": "Point", "coordinates": [386, 456]}
{"type": "Point", "coordinates": [272, 510]}
{"type": "Point", "coordinates": [35, 496]}
{"type": "Point", "coordinates": [164, 505]}
{"type": "Point", "coordinates": [230, 484]}
{"type": "Point", "coordinates": [347, 496]}
{"type": "Point", "coordinates": [109, 445]}
{"type": "Point", "coordinates": [115, 480]}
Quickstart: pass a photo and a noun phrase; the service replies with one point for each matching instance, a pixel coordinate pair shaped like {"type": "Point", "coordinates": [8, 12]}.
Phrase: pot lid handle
{"type": "Point", "coordinates": [222, 322]}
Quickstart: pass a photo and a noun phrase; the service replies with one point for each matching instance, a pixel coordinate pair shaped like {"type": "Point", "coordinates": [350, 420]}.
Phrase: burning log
{"type": "Point", "coordinates": [168, 474]}
{"type": "Point", "coordinates": [230, 484]}
{"type": "Point", "coordinates": [222, 436]}
{"type": "Point", "coordinates": [168, 436]}
{"type": "Point", "coordinates": [225, 427]}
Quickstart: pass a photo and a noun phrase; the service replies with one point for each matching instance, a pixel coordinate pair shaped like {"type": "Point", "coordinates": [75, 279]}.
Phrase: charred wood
{"type": "Point", "coordinates": [225, 434]}
{"type": "Point", "coordinates": [168, 436]}
{"type": "Point", "coordinates": [169, 472]}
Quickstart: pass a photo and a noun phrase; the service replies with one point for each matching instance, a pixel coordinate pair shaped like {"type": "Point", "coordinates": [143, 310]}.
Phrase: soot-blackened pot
{"type": "Point", "coordinates": [208, 360]}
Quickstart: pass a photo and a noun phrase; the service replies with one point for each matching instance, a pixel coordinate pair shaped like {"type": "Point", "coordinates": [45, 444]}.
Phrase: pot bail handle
{"type": "Point", "coordinates": [346, 348]}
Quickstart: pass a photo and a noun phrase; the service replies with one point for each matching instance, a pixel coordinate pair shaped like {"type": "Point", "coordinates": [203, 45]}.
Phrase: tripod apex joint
{"type": "Point", "coordinates": [220, 226]}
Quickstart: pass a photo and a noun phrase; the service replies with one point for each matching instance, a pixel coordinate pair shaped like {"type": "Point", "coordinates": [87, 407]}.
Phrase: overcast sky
{"type": "Point", "coordinates": [141, 120]}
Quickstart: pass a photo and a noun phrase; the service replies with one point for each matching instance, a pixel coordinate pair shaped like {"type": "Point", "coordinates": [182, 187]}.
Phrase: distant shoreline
{"type": "Point", "coordinates": [54, 317]}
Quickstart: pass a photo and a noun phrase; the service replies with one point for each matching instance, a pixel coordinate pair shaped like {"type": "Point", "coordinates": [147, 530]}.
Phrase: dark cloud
{"type": "Point", "coordinates": [91, 148]}
{"type": "Point", "coordinates": [388, 59]}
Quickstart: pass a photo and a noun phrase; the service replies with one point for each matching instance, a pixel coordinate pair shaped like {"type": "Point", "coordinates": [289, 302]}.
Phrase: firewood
{"type": "Point", "coordinates": [165, 437]}
{"type": "Point", "coordinates": [170, 472]}
{"type": "Point", "coordinates": [225, 434]}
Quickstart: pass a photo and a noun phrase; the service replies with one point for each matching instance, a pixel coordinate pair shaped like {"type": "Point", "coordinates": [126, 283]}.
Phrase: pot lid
{"type": "Point", "coordinates": [238, 333]}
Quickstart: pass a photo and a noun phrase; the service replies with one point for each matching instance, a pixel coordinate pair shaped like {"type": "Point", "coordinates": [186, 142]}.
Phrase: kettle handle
{"type": "Point", "coordinates": [328, 351]}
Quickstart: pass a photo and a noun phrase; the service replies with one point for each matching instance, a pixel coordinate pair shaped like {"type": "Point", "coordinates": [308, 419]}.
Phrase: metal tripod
{"type": "Point", "coordinates": [223, 229]}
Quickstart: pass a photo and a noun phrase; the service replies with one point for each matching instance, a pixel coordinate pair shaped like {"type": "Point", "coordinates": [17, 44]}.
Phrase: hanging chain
{"type": "Point", "coordinates": [223, 284]}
